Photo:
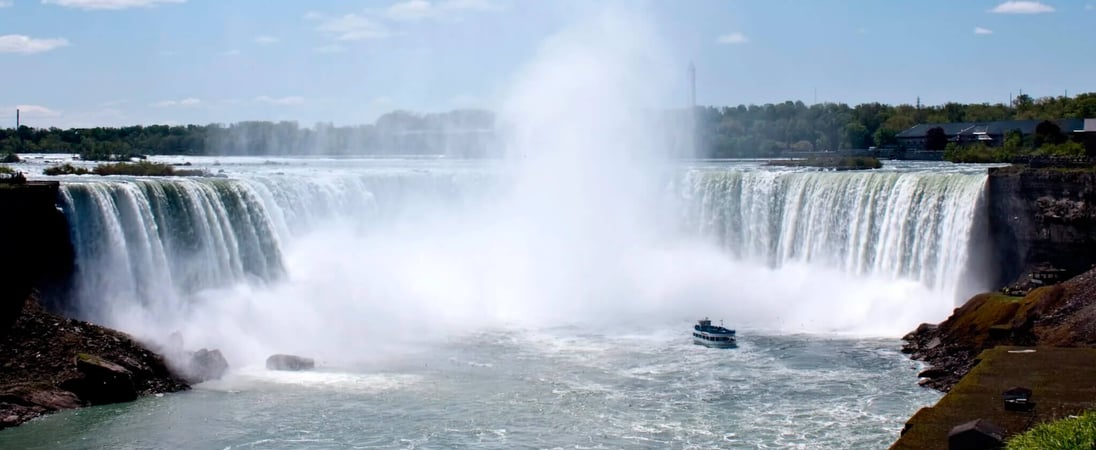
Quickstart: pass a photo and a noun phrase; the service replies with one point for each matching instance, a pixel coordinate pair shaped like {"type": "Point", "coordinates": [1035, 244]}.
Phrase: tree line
{"type": "Point", "coordinates": [743, 131]}
{"type": "Point", "coordinates": [466, 133]}
{"type": "Point", "coordinates": [774, 129]}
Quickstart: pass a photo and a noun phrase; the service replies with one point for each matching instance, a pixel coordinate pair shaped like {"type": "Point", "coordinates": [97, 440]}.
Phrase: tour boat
{"type": "Point", "coordinates": [704, 333]}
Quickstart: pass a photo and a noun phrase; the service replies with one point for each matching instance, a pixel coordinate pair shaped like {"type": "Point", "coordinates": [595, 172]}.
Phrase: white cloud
{"type": "Point", "coordinates": [17, 43]}
{"type": "Point", "coordinates": [410, 10]}
{"type": "Point", "coordinates": [6, 3]}
{"type": "Point", "coordinates": [190, 101]}
{"type": "Point", "coordinates": [1022, 7]}
{"type": "Point", "coordinates": [980, 30]}
{"type": "Point", "coordinates": [424, 9]}
{"type": "Point", "coordinates": [733, 38]}
{"type": "Point", "coordinates": [108, 4]}
{"type": "Point", "coordinates": [232, 52]}
{"type": "Point", "coordinates": [266, 40]}
{"type": "Point", "coordinates": [34, 111]}
{"type": "Point", "coordinates": [469, 5]}
{"type": "Point", "coordinates": [283, 101]}
{"type": "Point", "coordinates": [349, 27]}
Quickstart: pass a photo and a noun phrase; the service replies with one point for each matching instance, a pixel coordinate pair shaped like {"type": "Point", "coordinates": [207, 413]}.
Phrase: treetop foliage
{"type": "Point", "coordinates": [722, 132]}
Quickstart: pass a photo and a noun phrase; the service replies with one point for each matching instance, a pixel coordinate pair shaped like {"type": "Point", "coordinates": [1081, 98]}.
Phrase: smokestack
{"type": "Point", "coordinates": [692, 85]}
{"type": "Point", "coordinates": [16, 119]}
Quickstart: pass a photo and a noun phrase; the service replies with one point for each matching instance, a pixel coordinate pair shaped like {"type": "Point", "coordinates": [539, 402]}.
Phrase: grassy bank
{"type": "Point", "coordinates": [1060, 379]}
{"type": "Point", "coordinates": [1066, 434]}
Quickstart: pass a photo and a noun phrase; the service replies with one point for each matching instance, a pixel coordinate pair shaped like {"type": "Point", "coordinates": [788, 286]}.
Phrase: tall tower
{"type": "Point", "coordinates": [692, 85]}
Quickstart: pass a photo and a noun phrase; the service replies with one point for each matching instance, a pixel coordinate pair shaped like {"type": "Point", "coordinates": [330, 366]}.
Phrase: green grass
{"type": "Point", "coordinates": [1077, 432]}
{"type": "Point", "coordinates": [6, 170]}
{"type": "Point", "coordinates": [1060, 378]}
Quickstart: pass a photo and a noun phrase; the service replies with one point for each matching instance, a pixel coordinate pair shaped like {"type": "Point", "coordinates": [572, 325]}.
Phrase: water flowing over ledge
{"type": "Point", "coordinates": [144, 241]}
{"type": "Point", "coordinates": [908, 225]}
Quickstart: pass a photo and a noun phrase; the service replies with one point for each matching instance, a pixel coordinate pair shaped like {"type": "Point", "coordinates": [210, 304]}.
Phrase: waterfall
{"type": "Point", "coordinates": [144, 239]}
{"type": "Point", "coordinates": [143, 242]}
{"type": "Point", "coordinates": [911, 225]}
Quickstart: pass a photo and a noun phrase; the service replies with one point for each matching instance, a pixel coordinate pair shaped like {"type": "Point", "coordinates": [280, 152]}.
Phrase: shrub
{"type": "Point", "coordinates": [976, 153]}
{"type": "Point", "coordinates": [10, 158]}
{"type": "Point", "coordinates": [1070, 433]}
{"type": "Point", "coordinates": [65, 169]}
{"type": "Point", "coordinates": [11, 176]}
{"type": "Point", "coordinates": [833, 162]}
{"type": "Point", "coordinates": [144, 168]}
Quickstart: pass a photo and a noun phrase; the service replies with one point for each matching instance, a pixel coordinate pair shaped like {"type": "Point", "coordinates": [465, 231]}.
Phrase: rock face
{"type": "Point", "coordinates": [289, 362]}
{"type": "Point", "coordinates": [103, 382]}
{"type": "Point", "coordinates": [1041, 216]}
{"type": "Point", "coordinates": [49, 363]}
{"type": "Point", "coordinates": [1061, 315]}
{"type": "Point", "coordinates": [205, 365]}
{"type": "Point", "coordinates": [37, 249]}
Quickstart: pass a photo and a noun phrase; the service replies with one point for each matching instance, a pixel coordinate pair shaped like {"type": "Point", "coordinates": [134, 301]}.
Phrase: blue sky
{"type": "Point", "coordinates": [123, 62]}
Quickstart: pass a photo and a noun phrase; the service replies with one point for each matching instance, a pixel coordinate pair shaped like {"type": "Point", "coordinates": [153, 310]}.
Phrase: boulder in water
{"type": "Point", "coordinates": [205, 365]}
{"type": "Point", "coordinates": [103, 381]}
{"type": "Point", "coordinates": [289, 362]}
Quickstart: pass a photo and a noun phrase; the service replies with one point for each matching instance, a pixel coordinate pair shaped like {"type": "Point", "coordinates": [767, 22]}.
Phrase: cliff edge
{"type": "Point", "coordinates": [1062, 315]}
{"type": "Point", "coordinates": [1041, 216]}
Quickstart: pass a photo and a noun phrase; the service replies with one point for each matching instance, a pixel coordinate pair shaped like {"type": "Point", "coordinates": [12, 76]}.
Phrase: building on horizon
{"type": "Point", "coordinates": [992, 134]}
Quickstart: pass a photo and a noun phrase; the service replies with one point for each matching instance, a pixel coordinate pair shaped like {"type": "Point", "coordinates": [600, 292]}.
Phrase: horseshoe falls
{"type": "Point", "coordinates": [494, 323]}
{"type": "Point", "coordinates": [876, 251]}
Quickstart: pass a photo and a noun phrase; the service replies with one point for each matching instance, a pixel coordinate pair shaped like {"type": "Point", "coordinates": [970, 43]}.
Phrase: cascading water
{"type": "Point", "coordinates": [904, 225]}
{"type": "Point", "coordinates": [157, 241]}
{"type": "Point", "coordinates": [155, 245]}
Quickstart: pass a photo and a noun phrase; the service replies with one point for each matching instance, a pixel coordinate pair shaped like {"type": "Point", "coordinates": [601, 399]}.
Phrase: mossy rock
{"type": "Point", "coordinates": [103, 382]}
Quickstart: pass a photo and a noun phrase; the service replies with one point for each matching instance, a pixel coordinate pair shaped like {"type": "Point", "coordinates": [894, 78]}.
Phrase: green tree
{"type": "Point", "coordinates": [885, 137]}
{"type": "Point", "coordinates": [936, 139]}
{"type": "Point", "coordinates": [1047, 132]}
{"type": "Point", "coordinates": [857, 136]}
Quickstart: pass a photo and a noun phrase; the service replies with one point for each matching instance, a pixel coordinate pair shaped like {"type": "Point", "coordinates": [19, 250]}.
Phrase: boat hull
{"type": "Point", "coordinates": [715, 344]}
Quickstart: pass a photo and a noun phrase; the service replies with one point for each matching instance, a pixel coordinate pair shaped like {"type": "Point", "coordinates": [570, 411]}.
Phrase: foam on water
{"type": "Point", "coordinates": [560, 388]}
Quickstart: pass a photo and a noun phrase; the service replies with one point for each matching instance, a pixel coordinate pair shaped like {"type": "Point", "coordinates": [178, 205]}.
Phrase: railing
{"type": "Point", "coordinates": [1054, 161]}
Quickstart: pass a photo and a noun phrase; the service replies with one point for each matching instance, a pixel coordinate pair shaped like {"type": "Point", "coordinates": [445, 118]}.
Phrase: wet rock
{"type": "Point", "coordinates": [103, 382]}
{"type": "Point", "coordinates": [205, 365]}
{"type": "Point", "coordinates": [289, 362]}
{"type": "Point", "coordinates": [932, 372]}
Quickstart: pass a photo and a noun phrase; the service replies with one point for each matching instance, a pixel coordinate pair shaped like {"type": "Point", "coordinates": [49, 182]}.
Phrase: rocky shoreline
{"type": "Point", "coordinates": [50, 363]}
{"type": "Point", "coordinates": [1062, 315]}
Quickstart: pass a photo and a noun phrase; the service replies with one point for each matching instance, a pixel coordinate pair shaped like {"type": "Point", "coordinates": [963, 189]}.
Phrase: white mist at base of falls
{"type": "Point", "coordinates": [362, 274]}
